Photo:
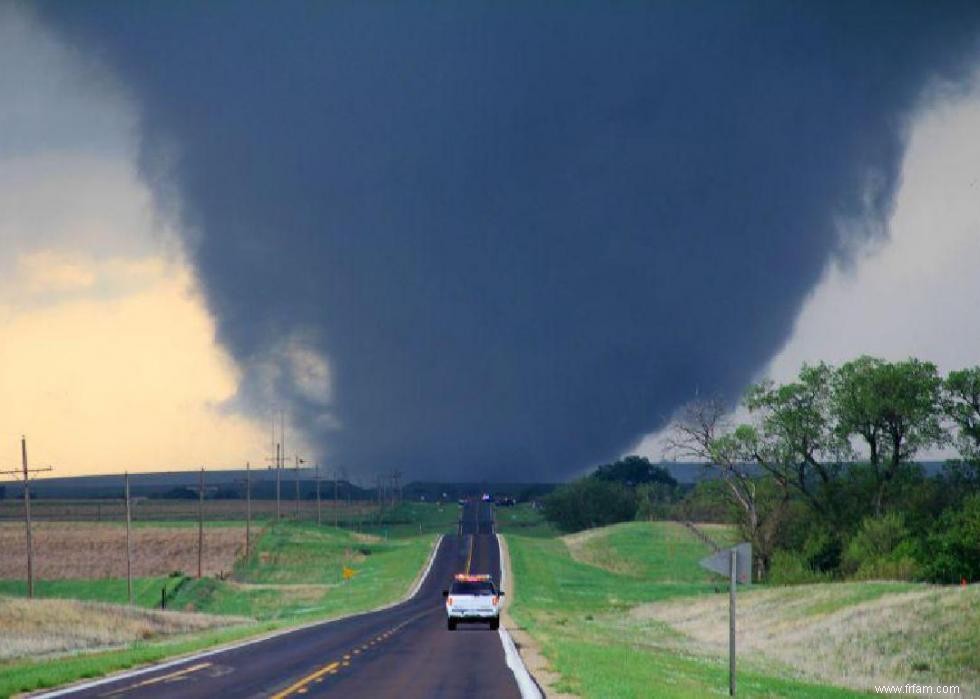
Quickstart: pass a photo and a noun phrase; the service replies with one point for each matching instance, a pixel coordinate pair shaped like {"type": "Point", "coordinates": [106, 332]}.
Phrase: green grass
{"type": "Point", "coordinates": [576, 610]}
{"type": "Point", "coordinates": [146, 591]}
{"type": "Point", "coordinates": [661, 551]}
{"type": "Point", "coordinates": [297, 568]}
{"type": "Point", "coordinates": [524, 520]}
{"type": "Point", "coordinates": [411, 519]}
{"type": "Point", "coordinates": [618, 669]}
{"type": "Point", "coordinates": [296, 571]}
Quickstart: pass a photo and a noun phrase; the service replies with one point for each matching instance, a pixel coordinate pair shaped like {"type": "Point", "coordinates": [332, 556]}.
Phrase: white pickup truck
{"type": "Point", "coordinates": [472, 598]}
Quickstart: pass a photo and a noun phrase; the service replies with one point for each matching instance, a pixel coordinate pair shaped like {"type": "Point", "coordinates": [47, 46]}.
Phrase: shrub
{"type": "Point", "coordinates": [875, 540]}
{"type": "Point", "coordinates": [882, 548]}
{"type": "Point", "coordinates": [954, 544]}
{"type": "Point", "coordinates": [822, 551]}
{"type": "Point", "coordinates": [792, 568]}
{"type": "Point", "coordinates": [589, 502]}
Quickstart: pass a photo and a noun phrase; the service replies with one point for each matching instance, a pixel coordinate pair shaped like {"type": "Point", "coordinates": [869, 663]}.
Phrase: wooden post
{"type": "Point", "coordinates": [200, 524]}
{"type": "Point", "coordinates": [248, 510]}
{"type": "Point", "coordinates": [25, 471]}
{"type": "Point", "coordinates": [317, 467]}
{"type": "Point", "coordinates": [129, 546]}
{"type": "Point", "coordinates": [731, 626]}
{"type": "Point", "coordinates": [27, 518]}
{"type": "Point", "coordinates": [278, 478]}
{"type": "Point", "coordinates": [296, 473]}
{"type": "Point", "coordinates": [336, 501]}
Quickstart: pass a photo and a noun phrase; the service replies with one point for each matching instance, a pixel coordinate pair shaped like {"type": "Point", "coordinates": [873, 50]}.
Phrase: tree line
{"type": "Point", "coordinates": [821, 477]}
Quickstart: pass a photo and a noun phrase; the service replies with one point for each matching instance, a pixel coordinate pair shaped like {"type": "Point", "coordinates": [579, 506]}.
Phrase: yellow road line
{"type": "Point", "coordinates": [469, 558]}
{"type": "Point", "coordinates": [302, 683]}
{"type": "Point", "coordinates": [159, 678]}
{"type": "Point", "coordinates": [301, 686]}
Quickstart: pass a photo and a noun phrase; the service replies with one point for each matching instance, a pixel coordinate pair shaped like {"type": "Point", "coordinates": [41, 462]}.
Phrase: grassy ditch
{"type": "Point", "coordinates": [296, 571]}
{"type": "Point", "coordinates": [576, 596]}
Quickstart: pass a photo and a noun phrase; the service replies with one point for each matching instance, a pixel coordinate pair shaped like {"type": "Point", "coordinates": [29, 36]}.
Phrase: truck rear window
{"type": "Point", "coordinates": [472, 588]}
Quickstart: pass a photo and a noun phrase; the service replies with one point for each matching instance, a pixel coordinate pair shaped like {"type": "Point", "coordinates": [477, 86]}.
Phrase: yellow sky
{"type": "Point", "coordinates": [112, 364]}
{"type": "Point", "coordinates": [108, 358]}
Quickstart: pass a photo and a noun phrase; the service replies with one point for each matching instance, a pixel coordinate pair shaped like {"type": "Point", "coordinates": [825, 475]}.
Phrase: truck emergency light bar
{"type": "Point", "coordinates": [472, 578]}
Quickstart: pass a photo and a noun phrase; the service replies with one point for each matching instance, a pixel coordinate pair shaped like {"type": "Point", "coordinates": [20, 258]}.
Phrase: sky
{"type": "Point", "coordinates": [915, 292]}
{"type": "Point", "coordinates": [470, 242]}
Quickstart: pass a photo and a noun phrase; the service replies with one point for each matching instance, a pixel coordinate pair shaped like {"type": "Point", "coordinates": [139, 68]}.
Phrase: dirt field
{"type": "Point", "coordinates": [91, 550]}
{"type": "Point", "coordinates": [43, 627]}
{"type": "Point", "coordinates": [154, 510]}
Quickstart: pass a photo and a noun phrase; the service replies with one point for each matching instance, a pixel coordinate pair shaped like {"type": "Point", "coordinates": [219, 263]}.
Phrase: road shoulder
{"type": "Point", "coordinates": [527, 648]}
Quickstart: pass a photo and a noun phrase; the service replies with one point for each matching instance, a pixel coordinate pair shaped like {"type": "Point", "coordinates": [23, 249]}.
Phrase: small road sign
{"type": "Point", "coordinates": [736, 563]}
{"type": "Point", "coordinates": [349, 573]}
{"type": "Point", "coordinates": [721, 563]}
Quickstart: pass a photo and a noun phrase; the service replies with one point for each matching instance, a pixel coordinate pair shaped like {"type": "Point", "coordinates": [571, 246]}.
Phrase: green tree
{"type": "Point", "coordinates": [961, 403]}
{"type": "Point", "coordinates": [653, 500]}
{"type": "Point", "coordinates": [894, 407]}
{"type": "Point", "coordinates": [795, 440]}
{"type": "Point", "coordinates": [634, 470]}
{"type": "Point", "coordinates": [701, 431]}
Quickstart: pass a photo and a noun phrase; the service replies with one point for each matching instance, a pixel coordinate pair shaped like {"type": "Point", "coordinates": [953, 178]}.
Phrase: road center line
{"type": "Point", "coordinates": [302, 683]}
{"type": "Point", "coordinates": [159, 678]}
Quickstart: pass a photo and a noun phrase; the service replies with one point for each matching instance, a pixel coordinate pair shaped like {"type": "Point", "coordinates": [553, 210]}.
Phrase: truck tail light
{"type": "Point", "coordinates": [449, 601]}
{"type": "Point", "coordinates": [495, 600]}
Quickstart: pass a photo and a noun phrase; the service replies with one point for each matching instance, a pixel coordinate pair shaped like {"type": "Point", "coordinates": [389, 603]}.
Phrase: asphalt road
{"type": "Point", "coordinates": [404, 652]}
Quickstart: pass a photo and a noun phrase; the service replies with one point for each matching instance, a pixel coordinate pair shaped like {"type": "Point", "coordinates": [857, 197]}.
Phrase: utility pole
{"type": "Point", "coordinates": [317, 476]}
{"type": "Point", "coordinates": [296, 472]}
{"type": "Point", "coordinates": [282, 453]}
{"type": "Point", "coordinates": [336, 501]}
{"type": "Point", "coordinates": [26, 472]}
{"type": "Point", "coordinates": [129, 546]}
{"type": "Point", "coordinates": [248, 509]}
{"type": "Point", "coordinates": [731, 621]}
{"type": "Point", "coordinates": [396, 490]}
{"type": "Point", "coordinates": [278, 479]}
{"type": "Point", "coordinates": [200, 524]}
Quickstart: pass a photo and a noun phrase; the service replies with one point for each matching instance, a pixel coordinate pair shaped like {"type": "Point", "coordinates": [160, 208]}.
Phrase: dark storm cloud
{"type": "Point", "coordinates": [522, 233]}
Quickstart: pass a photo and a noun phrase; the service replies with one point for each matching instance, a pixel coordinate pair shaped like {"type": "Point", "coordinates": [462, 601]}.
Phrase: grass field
{"type": "Point", "coordinates": [523, 520]}
{"type": "Point", "coordinates": [35, 628]}
{"type": "Point", "coordinates": [851, 634]}
{"type": "Point", "coordinates": [578, 607]}
{"type": "Point", "coordinates": [170, 510]}
{"type": "Point", "coordinates": [409, 519]}
{"type": "Point", "coordinates": [146, 591]}
{"type": "Point", "coordinates": [296, 571]}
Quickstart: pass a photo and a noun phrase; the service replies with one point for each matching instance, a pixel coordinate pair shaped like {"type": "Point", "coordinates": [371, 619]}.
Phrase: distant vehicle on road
{"type": "Point", "coordinates": [487, 497]}
{"type": "Point", "coordinates": [472, 598]}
